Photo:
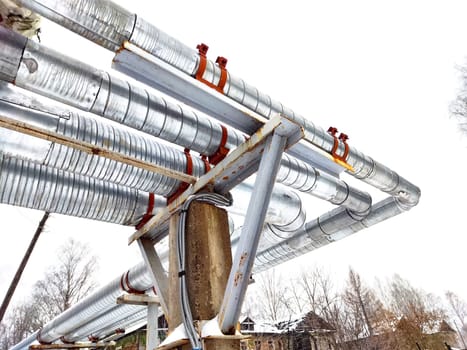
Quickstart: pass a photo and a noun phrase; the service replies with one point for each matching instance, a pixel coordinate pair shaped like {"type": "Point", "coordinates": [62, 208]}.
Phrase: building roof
{"type": "Point", "coordinates": [308, 322]}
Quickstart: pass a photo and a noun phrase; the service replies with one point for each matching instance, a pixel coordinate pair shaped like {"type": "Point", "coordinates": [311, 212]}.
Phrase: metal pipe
{"type": "Point", "coordinates": [119, 316]}
{"type": "Point", "coordinates": [22, 106]}
{"type": "Point", "coordinates": [95, 305]}
{"type": "Point", "coordinates": [95, 131]}
{"type": "Point", "coordinates": [89, 18]}
{"type": "Point", "coordinates": [101, 303]}
{"type": "Point", "coordinates": [332, 226]}
{"type": "Point", "coordinates": [74, 82]}
{"type": "Point", "coordinates": [31, 185]}
{"type": "Point", "coordinates": [67, 80]}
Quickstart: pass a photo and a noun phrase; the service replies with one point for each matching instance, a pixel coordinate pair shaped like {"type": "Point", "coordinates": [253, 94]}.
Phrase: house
{"type": "Point", "coordinates": [303, 332]}
{"type": "Point", "coordinates": [407, 336]}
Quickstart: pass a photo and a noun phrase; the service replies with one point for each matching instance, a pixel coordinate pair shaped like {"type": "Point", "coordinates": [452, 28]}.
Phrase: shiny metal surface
{"type": "Point", "coordinates": [109, 25]}
{"type": "Point", "coordinates": [51, 74]}
{"type": "Point", "coordinates": [31, 185]}
{"type": "Point", "coordinates": [12, 50]}
{"type": "Point", "coordinates": [365, 168]}
{"type": "Point", "coordinates": [151, 39]}
{"type": "Point", "coordinates": [106, 25]}
{"type": "Point", "coordinates": [94, 305]}
{"type": "Point", "coordinates": [329, 227]}
{"type": "Point", "coordinates": [118, 317]}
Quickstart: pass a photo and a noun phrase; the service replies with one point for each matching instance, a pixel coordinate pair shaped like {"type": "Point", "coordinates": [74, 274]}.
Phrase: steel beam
{"type": "Point", "coordinates": [239, 277]}
{"type": "Point", "coordinates": [157, 272]}
{"type": "Point", "coordinates": [236, 167]}
{"type": "Point", "coordinates": [144, 67]}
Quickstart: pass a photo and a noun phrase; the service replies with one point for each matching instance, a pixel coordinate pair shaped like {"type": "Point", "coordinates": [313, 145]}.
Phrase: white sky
{"type": "Point", "coordinates": [382, 72]}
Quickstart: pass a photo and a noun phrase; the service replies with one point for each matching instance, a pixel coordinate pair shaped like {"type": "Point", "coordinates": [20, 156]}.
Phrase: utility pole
{"type": "Point", "coordinates": [19, 272]}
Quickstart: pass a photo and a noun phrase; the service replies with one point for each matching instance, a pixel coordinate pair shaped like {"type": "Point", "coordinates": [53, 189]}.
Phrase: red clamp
{"type": "Point", "coordinates": [126, 286]}
{"type": "Point", "coordinates": [343, 137]}
{"type": "Point", "coordinates": [65, 341]}
{"type": "Point", "coordinates": [183, 186]}
{"type": "Point", "coordinates": [207, 166]}
{"type": "Point", "coordinates": [222, 151]}
{"type": "Point", "coordinates": [149, 211]}
{"type": "Point", "coordinates": [221, 62]}
{"type": "Point", "coordinates": [93, 339]}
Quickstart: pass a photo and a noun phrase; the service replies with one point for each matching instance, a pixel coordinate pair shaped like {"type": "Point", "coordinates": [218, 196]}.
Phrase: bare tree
{"type": "Point", "coordinates": [419, 313]}
{"type": "Point", "coordinates": [63, 285]}
{"type": "Point", "coordinates": [310, 281]}
{"type": "Point", "coordinates": [458, 308]}
{"type": "Point", "coordinates": [273, 296]}
{"type": "Point", "coordinates": [67, 282]}
{"type": "Point", "coordinates": [359, 299]}
{"type": "Point", "coordinates": [458, 107]}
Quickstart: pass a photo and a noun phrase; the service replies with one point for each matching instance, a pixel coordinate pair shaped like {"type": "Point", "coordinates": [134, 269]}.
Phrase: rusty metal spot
{"type": "Point", "coordinates": [225, 178]}
{"type": "Point", "coordinates": [238, 278]}
{"type": "Point", "coordinates": [31, 64]}
{"type": "Point", "coordinates": [243, 259]}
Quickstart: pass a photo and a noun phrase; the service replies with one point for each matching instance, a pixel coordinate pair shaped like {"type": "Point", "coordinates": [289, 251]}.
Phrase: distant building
{"type": "Point", "coordinates": [405, 336]}
{"type": "Point", "coordinates": [304, 332]}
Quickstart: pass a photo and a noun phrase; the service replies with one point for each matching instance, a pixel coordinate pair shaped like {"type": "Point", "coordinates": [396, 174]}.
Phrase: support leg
{"type": "Point", "coordinates": [152, 330]}
{"type": "Point", "coordinates": [251, 231]}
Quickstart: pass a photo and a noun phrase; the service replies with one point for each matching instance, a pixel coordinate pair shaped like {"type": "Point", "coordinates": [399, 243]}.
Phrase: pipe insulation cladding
{"type": "Point", "coordinates": [75, 184]}
{"type": "Point", "coordinates": [66, 87]}
{"type": "Point", "coordinates": [109, 25]}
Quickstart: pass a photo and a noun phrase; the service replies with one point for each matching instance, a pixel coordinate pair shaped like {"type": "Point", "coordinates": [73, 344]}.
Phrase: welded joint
{"type": "Point", "coordinates": [220, 175]}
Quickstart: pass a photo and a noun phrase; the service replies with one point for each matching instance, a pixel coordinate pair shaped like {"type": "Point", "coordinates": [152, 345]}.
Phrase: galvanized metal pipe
{"type": "Point", "coordinates": [98, 132]}
{"type": "Point", "coordinates": [89, 18]}
{"type": "Point", "coordinates": [31, 185]}
{"type": "Point", "coordinates": [332, 226]}
{"type": "Point", "coordinates": [65, 79]}
{"type": "Point", "coordinates": [129, 321]}
{"type": "Point", "coordinates": [20, 105]}
{"type": "Point", "coordinates": [118, 317]}
{"type": "Point", "coordinates": [95, 305]}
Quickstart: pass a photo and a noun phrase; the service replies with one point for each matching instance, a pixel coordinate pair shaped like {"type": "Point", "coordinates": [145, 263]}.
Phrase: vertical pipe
{"type": "Point", "coordinates": [251, 232]}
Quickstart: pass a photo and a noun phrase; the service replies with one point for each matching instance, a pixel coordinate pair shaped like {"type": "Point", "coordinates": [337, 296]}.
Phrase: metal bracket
{"type": "Point", "coordinates": [158, 275]}
{"type": "Point", "coordinates": [138, 299]}
{"type": "Point", "coordinates": [152, 330]}
{"type": "Point", "coordinates": [242, 266]}
{"type": "Point", "coordinates": [233, 169]}
{"type": "Point", "coordinates": [144, 67]}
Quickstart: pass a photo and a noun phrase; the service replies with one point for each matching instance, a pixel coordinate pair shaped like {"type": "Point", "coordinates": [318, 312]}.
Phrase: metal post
{"type": "Point", "coordinates": [152, 329]}
{"type": "Point", "coordinates": [156, 270]}
{"type": "Point", "coordinates": [246, 251]}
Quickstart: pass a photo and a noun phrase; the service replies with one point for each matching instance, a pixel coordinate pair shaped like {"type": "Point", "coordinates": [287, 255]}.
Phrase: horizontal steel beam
{"type": "Point", "coordinates": [144, 67]}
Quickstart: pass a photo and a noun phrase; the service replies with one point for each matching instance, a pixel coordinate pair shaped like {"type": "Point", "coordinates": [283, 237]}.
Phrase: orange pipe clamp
{"type": "Point", "coordinates": [221, 62]}
{"type": "Point", "coordinates": [222, 151]}
{"type": "Point", "coordinates": [148, 215]}
{"type": "Point", "coordinates": [183, 186]}
{"type": "Point", "coordinates": [343, 137]}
